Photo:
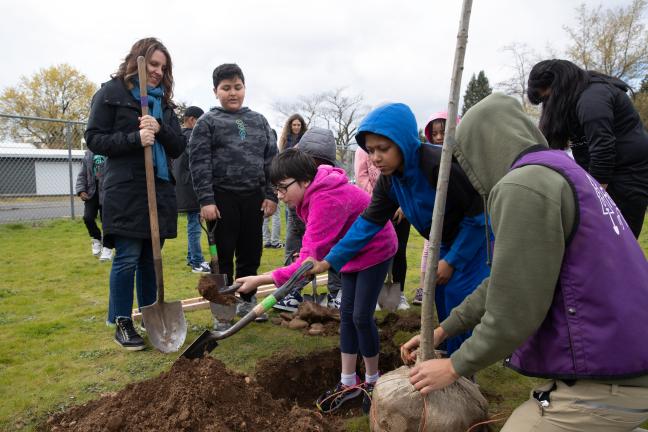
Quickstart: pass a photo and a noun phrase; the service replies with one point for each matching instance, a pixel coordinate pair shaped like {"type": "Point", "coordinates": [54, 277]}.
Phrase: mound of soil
{"type": "Point", "coordinates": [200, 394]}
{"type": "Point", "coordinates": [203, 395]}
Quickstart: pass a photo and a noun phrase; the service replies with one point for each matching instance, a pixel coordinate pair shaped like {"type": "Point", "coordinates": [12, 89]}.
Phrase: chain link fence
{"type": "Point", "coordinates": [40, 159]}
{"type": "Point", "coordinates": [39, 162]}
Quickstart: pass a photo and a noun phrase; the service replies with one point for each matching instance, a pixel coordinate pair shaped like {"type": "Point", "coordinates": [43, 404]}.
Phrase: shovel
{"type": "Point", "coordinates": [222, 305]}
{"type": "Point", "coordinates": [320, 299]}
{"type": "Point", "coordinates": [208, 340]}
{"type": "Point", "coordinates": [389, 296]}
{"type": "Point", "coordinates": [210, 285]}
{"type": "Point", "coordinates": [165, 322]}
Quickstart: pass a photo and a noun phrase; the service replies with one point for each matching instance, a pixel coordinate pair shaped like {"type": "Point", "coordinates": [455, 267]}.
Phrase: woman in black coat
{"type": "Point", "coordinates": [593, 113]}
{"type": "Point", "coordinates": [117, 129]}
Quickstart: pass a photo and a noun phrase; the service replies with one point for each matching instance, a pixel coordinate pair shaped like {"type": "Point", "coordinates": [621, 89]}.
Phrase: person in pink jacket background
{"type": "Point", "coordinates": [328, 204]}
{"type": "Point", "coordinates": [434, 132]}
{"type": "Point", "coordinates": [366, 175]}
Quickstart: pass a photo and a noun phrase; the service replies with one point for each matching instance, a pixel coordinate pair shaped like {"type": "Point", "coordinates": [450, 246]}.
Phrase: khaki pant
{"type": "Point", "coordinates": [584, 407]}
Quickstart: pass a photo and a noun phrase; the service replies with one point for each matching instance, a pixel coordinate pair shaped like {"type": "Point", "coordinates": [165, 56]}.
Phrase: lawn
{"type": "Point", "coordinates": [55, 349]}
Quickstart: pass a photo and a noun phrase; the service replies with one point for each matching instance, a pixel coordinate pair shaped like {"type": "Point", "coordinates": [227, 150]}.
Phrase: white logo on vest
{"type": "Point", "coordinates": [608, 207]}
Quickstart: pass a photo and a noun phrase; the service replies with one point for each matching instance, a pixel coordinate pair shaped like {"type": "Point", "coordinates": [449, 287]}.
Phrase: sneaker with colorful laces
{"type": "Point", "coordinates": [418, 297]}
{"type": "Point", "coordinates": [333, 399]}
{"type": "Point", "coordinates": [367, 390]}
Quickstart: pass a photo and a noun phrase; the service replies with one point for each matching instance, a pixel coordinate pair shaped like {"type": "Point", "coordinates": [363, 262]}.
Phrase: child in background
{"type": "Point", "coordinates": [186, 197]}
{"type": "Point", "coordinates": [329, 204]}
{"type": "Point", "coordinates": [88, 188]}
{"type": "Point", "coordinates": [434, 133]}
{"type": "Point", "coordinates": [409, 172]}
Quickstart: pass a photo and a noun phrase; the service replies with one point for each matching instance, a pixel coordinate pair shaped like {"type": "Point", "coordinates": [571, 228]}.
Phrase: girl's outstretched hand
{"type": "Point", "coordinates": [249, 283]}
{"type": "Point", "coordinates": [318, 266]}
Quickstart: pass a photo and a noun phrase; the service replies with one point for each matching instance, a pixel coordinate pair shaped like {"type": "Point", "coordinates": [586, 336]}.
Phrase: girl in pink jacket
{"type": "Point", "coordinates": [328, 204]}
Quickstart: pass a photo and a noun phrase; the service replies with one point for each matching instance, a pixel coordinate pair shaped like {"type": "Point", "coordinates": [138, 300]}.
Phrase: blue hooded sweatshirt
{"type": "Point", "coordinates": [414, 191]}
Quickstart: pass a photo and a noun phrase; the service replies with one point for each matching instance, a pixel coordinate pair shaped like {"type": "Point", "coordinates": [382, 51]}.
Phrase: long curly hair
{"type": "Point", "coordinates": [281, 145]}
{"type": "Point", "coordinates": [558, 84]}
{"type": "Point", "coordinates": [146, 47]}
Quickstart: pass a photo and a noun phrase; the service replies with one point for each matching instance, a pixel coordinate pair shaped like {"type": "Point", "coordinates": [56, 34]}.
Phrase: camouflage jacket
{"type": "Point", "coordinates": [231, 151]}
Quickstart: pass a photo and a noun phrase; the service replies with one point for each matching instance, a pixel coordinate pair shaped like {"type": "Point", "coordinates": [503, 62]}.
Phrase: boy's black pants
{"type": "Point", "coordinates": [91, 209]}
{"type": "Point", "coordinates": [238, 234]}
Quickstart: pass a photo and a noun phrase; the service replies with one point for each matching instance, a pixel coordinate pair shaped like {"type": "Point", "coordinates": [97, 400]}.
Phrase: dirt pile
{"type": "Point", "coordinates": [194, 395]}
{"type": "Point", "coordinates": [312, 319]}
{"type": "Point", "coordinates": [203, 395]}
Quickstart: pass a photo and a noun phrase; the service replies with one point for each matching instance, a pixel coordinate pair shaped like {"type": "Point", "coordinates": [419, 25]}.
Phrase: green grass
{"type": "Point", "coordinates": [55, 349]}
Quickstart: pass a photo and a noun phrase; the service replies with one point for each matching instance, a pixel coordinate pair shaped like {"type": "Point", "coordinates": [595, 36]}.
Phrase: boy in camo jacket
{"type": "Point", "coordinates": [231, 148]}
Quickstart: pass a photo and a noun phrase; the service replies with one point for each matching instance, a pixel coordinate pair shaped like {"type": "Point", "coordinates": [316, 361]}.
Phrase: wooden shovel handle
{"type": "Point", "coordinates": [150, 187]}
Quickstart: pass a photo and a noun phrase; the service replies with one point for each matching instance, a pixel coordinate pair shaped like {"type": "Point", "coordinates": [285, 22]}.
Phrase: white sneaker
{"type": "Point", "coordinates": [334, 302]}
{"type": "Point", "coordinates": [96, 247]}
{"type": "Point", "coordinates": [403, 305]}
{"type": "Point", "coordinates": [106, 254]}
{"type": "Point", "coordinates": [202, 268]}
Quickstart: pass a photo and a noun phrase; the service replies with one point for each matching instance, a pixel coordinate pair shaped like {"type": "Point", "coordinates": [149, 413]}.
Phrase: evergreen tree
{"type": "Point", "coordinates": [478, 88]}
{"type": "Point", "coordinates": [422, 136]}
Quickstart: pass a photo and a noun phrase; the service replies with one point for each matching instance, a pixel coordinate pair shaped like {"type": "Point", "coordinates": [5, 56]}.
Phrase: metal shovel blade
{"type": "Point", "coordinates": [165, 325]}
{"type": "Point", "coordinates": [223, 312]}
{"type": "Point", "coordinates": [389, 296]}
{"type": "Point", "coordinates": [205, 343]}
{"type": "Point", "coordinates": [320, 299]}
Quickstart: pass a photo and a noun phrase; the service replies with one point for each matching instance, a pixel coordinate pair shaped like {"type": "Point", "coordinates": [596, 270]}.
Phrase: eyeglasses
{"type": "Point", "coordinates": [283, 188]}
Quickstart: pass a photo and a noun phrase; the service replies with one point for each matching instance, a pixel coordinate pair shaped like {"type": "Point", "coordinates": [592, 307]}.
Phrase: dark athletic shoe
{"type": "Point", "coordinates": [126, 335]}
{"type": "Point", "coordinates": [333, 399]}
{"type": "Point", "coordinates": [366, 398]}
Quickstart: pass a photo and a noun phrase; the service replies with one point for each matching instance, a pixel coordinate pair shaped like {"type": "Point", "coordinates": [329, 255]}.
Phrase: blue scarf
{"type": "Point", "coordinates": [155, 110]}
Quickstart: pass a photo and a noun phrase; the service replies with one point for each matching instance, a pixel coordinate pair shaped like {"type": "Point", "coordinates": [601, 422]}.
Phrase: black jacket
{"type": "Point", "coordinates": [611, 142]}
{"type": "Point", "coordinates": [187, 200]}
{"type": "Point", "coordinates": [462, 199]}
{"type": "Point", "coordinates": [113, 131]}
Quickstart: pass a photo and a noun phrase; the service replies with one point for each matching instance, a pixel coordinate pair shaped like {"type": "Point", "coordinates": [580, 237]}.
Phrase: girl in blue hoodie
{"type": "Point", "coordinates": [409, 173]}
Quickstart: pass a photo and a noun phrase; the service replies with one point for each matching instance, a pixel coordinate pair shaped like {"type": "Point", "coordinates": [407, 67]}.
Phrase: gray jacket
{"type": "Point", "coordinates": [86, 180]}
{"type": "Point", "coordinates": [231, 152]}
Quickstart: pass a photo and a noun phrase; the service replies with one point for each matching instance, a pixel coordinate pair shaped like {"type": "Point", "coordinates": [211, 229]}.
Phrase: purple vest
{"type": "Point", "coordinates": [597, 323]}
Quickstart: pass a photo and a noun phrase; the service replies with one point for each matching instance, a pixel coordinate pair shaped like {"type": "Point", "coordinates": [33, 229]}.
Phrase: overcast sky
{"type": "Point", "coordinates": [385, 50]}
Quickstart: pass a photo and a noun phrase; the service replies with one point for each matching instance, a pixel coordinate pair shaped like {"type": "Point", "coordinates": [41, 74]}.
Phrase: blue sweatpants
{"type": "Point", "coordinates": [358, 331]}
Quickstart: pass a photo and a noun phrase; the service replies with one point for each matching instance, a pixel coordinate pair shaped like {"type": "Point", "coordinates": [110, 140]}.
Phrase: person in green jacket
{"type": "Point", "coordinates": [535, 214]}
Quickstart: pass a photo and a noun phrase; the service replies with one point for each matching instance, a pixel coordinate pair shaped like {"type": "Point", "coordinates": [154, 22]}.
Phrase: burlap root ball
{"type": "Point", "coordinates": [398, 407]}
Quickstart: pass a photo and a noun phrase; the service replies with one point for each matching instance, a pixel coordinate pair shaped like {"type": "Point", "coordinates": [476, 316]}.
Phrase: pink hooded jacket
{"type": "Point", "coordinates": [329, 207]}
{"type": "Point", "coordinates": [437, 115]}
{"type": "Point", "coordinates": [366, 173]}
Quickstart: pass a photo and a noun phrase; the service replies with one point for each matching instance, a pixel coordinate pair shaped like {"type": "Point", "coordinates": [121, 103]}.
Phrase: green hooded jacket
{"type": "Point", "coordinates": [532, 211]}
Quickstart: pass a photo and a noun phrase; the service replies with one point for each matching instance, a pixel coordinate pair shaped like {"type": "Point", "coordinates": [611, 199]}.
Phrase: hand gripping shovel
{"type": "Point", "coordinates": [165, 322]}
{"type": "Point", "coordinates": [208, 340]}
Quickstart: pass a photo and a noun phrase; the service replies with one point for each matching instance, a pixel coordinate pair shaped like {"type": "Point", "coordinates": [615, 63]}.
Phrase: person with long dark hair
{"type": "Point", "coordinates": [591, 113]}
{"type": "Point", "coordinates": [117, 129]}
{"type": "Point", "coordinates": [293, 130]}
